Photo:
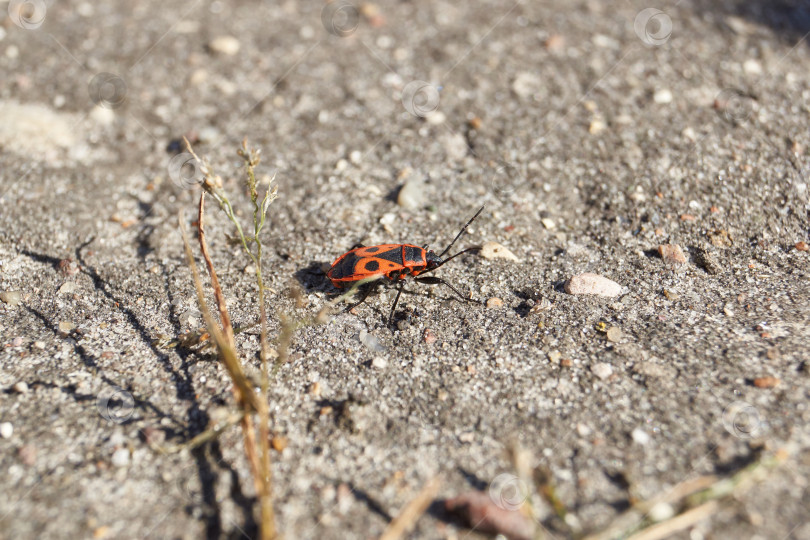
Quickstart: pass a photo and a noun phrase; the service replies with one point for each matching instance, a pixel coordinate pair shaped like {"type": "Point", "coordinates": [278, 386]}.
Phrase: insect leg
{"type": "Point", "coordinates": [366, 290]}
{"type": "Point", "coordinates": [394, 306]}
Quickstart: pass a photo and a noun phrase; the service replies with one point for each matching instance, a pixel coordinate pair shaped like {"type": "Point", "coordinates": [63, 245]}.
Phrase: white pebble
{"type": "Point", "coordinates": [588, 283]}
{"type": "Point", "coordinates": [494, 250]}
{"type": "Point", "coordinates": [20, 387]}
{"type": "Point", "coordinates": [6, 430]}
{"type": "Point", "coordinates": [102, 116]}
{"type": "Point", "coordinates": [640, 436]}
{"type": "Point", "coordinates": [120, 457]}
{"type": "Point", "coordinates": [661, 512]}
{"type": "Point", "coordinates": [752, 67]}
{"type": "Point", "coordinates": [412, 193]}
{"type": "Point", "coordinates": [663, 96]}
{"type": "Point", "coordinates": [227, 45]}
{"type": "Point", "coordinates": [379, 362]}
{"type": "Point", "coordinates": [602, 370]}
{"type": "Point", "coordinates": [436, 118]}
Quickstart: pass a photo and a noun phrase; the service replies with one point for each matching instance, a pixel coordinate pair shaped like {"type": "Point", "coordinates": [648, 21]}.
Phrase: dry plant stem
{"type": "Point", "coordinates": [264, 491]}
{"type": "Point", "coordinates": [680, 522]}
{"type": "Point", "coordinates": [204, 437]}
{"type": "Point", "coordinates": [242, 390]}
{"type": "Point", "coordinates": [259, 461]}
{"type": "Point", "coordinates": [223, 310]}
{"type": "Point", "coordinates": [245, 396]}
{"type": "Point", "coordinates": [407, 518]}
{"type": "Point", "coordinates": [700, 498]}
{"type": "Point", "coordinates": [226, 351]}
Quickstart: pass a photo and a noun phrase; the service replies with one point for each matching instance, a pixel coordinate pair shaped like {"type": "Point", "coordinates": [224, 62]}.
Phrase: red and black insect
{"type": "Point", "coordinates": [392, 263]}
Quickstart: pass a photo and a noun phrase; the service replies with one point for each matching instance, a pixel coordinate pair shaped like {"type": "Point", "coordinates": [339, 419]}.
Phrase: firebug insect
{"type": "Point", "coordinates": [392, 263]}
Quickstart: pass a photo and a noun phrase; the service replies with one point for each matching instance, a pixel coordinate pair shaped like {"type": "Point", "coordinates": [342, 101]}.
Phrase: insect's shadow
{"type": "Point", "coordinates": [313, 278]}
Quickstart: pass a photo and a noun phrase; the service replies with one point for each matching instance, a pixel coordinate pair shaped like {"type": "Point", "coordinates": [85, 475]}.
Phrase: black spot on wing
{"type": "Point", "coordinates": [344, 267]}
{"type": "Point", "coordinates": [372, 249]}
{"type": "Point", "coordinates": [414, 254]}
{"type": "Point", "coordinates": [393, 255]}
{"type": "Point", "coordinates": [372, 266]}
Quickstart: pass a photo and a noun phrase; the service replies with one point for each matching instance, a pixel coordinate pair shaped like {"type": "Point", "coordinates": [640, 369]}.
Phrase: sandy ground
{"type": "Point", "coordinates": [594, 132]}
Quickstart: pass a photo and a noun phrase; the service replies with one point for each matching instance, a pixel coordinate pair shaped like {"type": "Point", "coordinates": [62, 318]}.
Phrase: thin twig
{"type": "Point", "coordinates": [667, 528]}
{"type": "Point", "coordinates": [223, 309]}
{"type": "Point", "coordinates": [407, 518]}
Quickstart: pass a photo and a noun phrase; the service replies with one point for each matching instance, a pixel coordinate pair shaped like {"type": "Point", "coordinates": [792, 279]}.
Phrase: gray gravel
{"type": "Point", "coordinates": [594, 132]}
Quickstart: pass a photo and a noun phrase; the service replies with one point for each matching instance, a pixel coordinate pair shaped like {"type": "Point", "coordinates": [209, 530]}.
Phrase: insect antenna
{"type": "Point", "coordinates": [459, 235]}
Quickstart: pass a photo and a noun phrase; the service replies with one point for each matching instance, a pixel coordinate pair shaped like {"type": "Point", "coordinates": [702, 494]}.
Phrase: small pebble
{"type": "Point", "coordinates": [662, 96]}
{"type": "Point", "coordinates": [379, 363]}
{"type": "Point", "coordinates": [672, 253]}
{"type": "Point", "coordinates": [752, 67]}
{"type": "Point", "coordinates": [467, 437]}
{"type": "Point", "coordinates": [766, 382]}
{"type": "Point", "coordinates": [20, 387]}
{"type": "Point", "coordinates": [120, 457]}
{"type": "Point", "coordinates": [554, 357]}
{"type": "Point", "coordinates": [279, 443]}
{"type": "Point", "coordinates": [227, 45]}
{"type": "Point", "coordinates": [315, 388]}
{"type": "Point", "coordinates": [548, 223]}
{"type": "Point", "coordinates": [802, 246]}
{"type": "Point", "coordinates": [671, 295]}
{"type": "Point", "coordinates": [17, 341]}
{"type": "Point", "coordinates": [412, 193]}
{"type": "Point", "coordinates": [68, 287]}
{"type": "Point", "coordinates": [597, 126]}
{"type": "Point", "coordinates": [429, 336]}
{"type": "Point", "coordinates": [640, 436]}
{"type": "Point", "coordinates": [494, 250]}
{"type": "Point", "coordinates": [555, 42]}
{"type": "Point", "coordinates": [588, 283]}
{"type": "Point", "coordinates": [39, 345]}
{"type": "Point", "coordinates": [494, 303]}
{"type": "Point", "coordinates": [721, 238]}
{"type": "Point", "coordinates": [28, 454]}
{"type": "Point", "coordinates": [615, 334]}
{"type": "Point", "coordinates": [436, 118]}
{"type": "Point", "coordinates": [6, 430]}
{"type": "Point", "coordinates": [11, 298]}
{"type": "Point", "coordinates": [661, 512]}
{"type": "Point", "coordinates": [66, 326]}
{"type": "Point", "coordinates": [602, 370]}
{"type": "Point", "coordinates": [208, 134]}
{"type": "Point", "coordinates": [103, 116]}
